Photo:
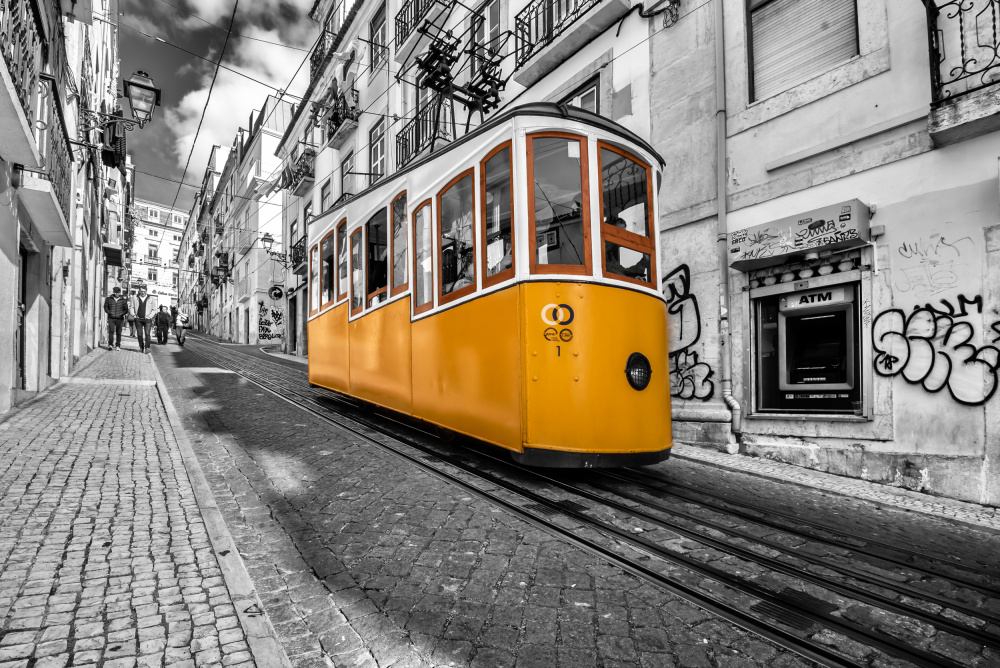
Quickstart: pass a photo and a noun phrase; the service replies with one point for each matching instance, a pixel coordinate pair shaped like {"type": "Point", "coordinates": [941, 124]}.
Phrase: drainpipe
{"type": "Point", "coordinates": [725, 339]}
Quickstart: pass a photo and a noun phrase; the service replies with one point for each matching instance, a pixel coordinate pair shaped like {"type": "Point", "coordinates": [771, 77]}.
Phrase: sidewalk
{"type": "Point", "coordinates": [105, 559]}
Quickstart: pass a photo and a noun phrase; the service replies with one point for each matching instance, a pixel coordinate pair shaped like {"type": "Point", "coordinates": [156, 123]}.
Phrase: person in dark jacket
{"type": "Point", "coordinates": [162, 323]}
{"type": "Point", "coordinates": [116, 307]}
{"type": "Point", "coordinates": [143, 308]}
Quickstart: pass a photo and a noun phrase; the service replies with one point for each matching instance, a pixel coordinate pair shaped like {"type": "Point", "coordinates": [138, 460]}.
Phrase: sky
{"type": "Point", "coordinates": [162, 147]}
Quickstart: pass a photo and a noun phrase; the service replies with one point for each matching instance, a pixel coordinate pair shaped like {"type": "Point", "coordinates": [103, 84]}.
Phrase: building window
{"type": "Point", "coordinates": [346, 174]}
{"type": "Point", "coordinates": [307, 213]}
{"type": "Point", "coordinates": [376, 150]}
{"type": "Point", "coordinates": [792, 41]}
{"type": "Point", "coordinates": [154, 233]}
{"type": "Point", "coordinates": [325, 197]}
{"type": "Point", "coordinates": [293, 230]}
{"type": "Point", "coordinates": [380, 52]}
{"type": "Point", "coordinates": [586, 97]}
{"type": "Point", "coordinates": [486, 28]}
{"type": "Point", "coordinates": [151, 274]}
{"type": "Point", "coordinates": [153, 253]}
{"type": "Point", "coordinates": [154, 214]}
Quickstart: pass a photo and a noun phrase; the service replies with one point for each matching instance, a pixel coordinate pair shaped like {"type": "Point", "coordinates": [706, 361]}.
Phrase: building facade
{"type": "Point", "coordinates": [234, 285]}
{"type": "Point", "coordinates": [157, 231]}
{"type": "Point", "coordinates": [61, 230]}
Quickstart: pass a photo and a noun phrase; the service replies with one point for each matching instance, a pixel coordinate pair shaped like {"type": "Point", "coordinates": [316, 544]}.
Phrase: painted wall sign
{"type": "Point", "coordinates": [834, 227]}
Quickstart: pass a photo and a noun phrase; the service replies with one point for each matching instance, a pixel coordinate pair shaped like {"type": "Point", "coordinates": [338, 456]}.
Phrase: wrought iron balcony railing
{"type": "Point", "coordinates": [323, 46]}
{"type": "Point", "coordinates": [343, 118]}
{"type": "Point", "coordinates": [303, 168]}
{"type": "Point", "coordinates": [21, 43]}
{"type": "Point", "coordinates": [409, 17]}
{"type": "Point", "coordinates": [298, 254]}
{"type": "Point", "coordinates": [52, 139]}
{"type": "Point", "coordinates": [541, 22]}
{"type": "Point", "coordinates": [964, 45]}
{"type": "Point", "coordinates": [430, 124]}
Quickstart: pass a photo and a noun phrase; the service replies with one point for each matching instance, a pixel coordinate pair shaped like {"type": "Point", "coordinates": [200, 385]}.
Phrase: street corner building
{"type": "Point", "coordinates": [64, 187]}
{"type": "Point", "coordinates": [857, 239]}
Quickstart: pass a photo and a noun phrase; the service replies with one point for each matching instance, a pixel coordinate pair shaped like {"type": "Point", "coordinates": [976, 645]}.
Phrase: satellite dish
{"type": "Point", "coordinates": [276, 292]}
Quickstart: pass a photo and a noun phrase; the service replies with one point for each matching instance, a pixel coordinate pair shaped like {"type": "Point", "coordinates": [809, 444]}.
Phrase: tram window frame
{"type": "Point", "coordinates": [370, 294]}
{"type": "Point", "coordinates": [324, 288]}
{"type": "Point", "coordinates": [467, 289]}
{"type": "Point", "coordinates": [314, 293]}
{"type": "Point", "coordinates": [506, 274]}
{"type": "Point", "coordinates": [394, 289]}
{"type": "Point", "coordinates": [586, 269]}
{"type": "Point", "coordinates": [343, 255]}
{"type": "Point", "coordinates": [354, 262]}
{"type": "Point", "coordinates": [623, 238]}
{"type": "Point", "coordinates": [419, 308]}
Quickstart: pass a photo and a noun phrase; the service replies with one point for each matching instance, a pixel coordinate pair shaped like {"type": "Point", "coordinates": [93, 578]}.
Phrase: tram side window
{"type": "Point", "coordinates": [458, 261]}
{"type": "Point", "coordinates": [497, 215]}
{"type": "Point", "coordinates": [399, 243]}
{"type": "Point", "coordinates": [625, 216]}
{"type": "Point", "coordinates": [326, 274]}
{"type": "Point", "coordinates": [423, 260]}
{"type": "Point", "coordinates": [561, 237]}
{"type": "Point", "coordinates": [342, 260]}
{"type": "Point", "coordinates": [378, 257]}
{"type": "Point", "coordinates": [314, 279]}
{"type": "Point", "coordinates": [357, 273]}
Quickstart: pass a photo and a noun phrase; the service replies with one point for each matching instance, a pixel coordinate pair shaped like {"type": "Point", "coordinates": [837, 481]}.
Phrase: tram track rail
{"type": "Point", "coordinates": [795, 612]}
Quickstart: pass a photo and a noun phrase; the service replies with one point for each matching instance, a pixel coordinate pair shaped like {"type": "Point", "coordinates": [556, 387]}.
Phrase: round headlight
{"type": "Point", "coordinates": [638, 371]}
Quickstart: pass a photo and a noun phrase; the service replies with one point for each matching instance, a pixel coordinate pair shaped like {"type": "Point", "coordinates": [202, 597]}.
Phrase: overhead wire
{"type": "Point", "coordinates": [208, 97]}
{"type": "Point", "coordinates": [235, 34]}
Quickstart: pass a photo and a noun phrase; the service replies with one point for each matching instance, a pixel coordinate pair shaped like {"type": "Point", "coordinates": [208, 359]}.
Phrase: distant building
{"type": "Point", "coordinates": [157, 230]}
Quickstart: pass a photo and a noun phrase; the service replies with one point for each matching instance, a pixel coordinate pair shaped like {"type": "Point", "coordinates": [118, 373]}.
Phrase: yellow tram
{"type": "Point", "coordinates": [527, 317]}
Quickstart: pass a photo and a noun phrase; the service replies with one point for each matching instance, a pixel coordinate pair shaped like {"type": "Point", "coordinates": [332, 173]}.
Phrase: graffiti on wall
{"type": "Point", "coordinates": [270, 322]}
{"type": "Point", "coordinates": [933, 264]}
{"type": "Point", "coordinates": [934, 347]}
{"type": "Point", "coordinates": [689, 378]}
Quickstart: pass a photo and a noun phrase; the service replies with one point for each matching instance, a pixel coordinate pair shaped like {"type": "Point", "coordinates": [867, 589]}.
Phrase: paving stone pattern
{"type": "Point", "coordinates": [363, 560]}
{"type": "Point", "coordinates": [104, 558]}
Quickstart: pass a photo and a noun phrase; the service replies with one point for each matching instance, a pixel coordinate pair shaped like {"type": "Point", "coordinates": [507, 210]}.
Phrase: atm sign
{"type": "Point", "coordinates": [812, 298]}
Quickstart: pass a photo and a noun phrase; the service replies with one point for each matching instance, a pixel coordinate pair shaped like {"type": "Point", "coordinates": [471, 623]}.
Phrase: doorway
{"type": "Point", "coordinates": [20, 349]}
{"type": "Point", "coordinates": [293, 326]}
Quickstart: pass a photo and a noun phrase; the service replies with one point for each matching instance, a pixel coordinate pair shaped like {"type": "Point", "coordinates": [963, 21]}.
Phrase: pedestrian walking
{"type": "Point", "coordinates": [116, 307]}
{"type": "Point", "coordinates": [180, 324]}
{"type": "Point", "coordinates": [162, 323]}
{"type": "Point", "coordinates": [143, 308]}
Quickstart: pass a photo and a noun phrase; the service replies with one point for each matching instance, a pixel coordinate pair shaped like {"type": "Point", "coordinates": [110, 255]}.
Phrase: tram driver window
{"type": "Point", "coordinates": [314, 279]}
{"type": "Point", "coordinates": [357, 273]}
{"type": "Point", "coordinates": [423, 262]}
{"type": "Point", "coordinates": [557, 169]}
{"type": "Point", "coordinates": [497, 216]}
{"type": "Point", "coordinates": [326, 273]}
{"type": "Point", "coordinates": [378, 258]}
{"type": "Point", "coordinates": [625, 216]}
{"type": "Point", "coordinates": [458, 261]}
{"type": "Point", "coordinates": [399, 244]}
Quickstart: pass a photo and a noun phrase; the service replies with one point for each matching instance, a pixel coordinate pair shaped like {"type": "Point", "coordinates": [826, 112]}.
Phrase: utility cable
{"type": "Point", "coordinates": [208, 98]}
{"type": "Point", "coordinates": [214, 25]}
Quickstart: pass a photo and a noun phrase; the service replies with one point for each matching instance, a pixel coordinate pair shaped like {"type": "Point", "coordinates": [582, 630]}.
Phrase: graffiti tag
{"type": "Point", "coordinates": [934, 350]}
{"type": "Point", "coordinates": [689, 378]}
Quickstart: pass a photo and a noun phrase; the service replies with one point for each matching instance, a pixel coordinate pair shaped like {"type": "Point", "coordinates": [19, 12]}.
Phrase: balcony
{"type": "Point", "coordinates": [244, 242]}
{"type": "Point", "coordinates": [317, 59]}
{"type": "Point", "coordinates": [548, 32]}
{"type": "Point", "coordinates": [45, 193]}
{"type": "Point", "coordinates": [243, 289]}
{"type": "Point", "coordinates": [21, 47]}
{"type": "Point", "coordinates": [965, 68]}
{"type": "Point", "coordinates": [432, 123]}
{"type": "Point", "coordinates": [299, 257]}
{"type": "Point", "coordinates": [303, 175]}
{"type": "Point", "coordinates": [410, 40]}
{"type": "Point", "coordinates": [343, 118]}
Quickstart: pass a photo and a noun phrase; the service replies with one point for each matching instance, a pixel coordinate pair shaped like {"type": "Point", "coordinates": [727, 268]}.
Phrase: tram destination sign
{"type": "Point", "coordinates": [836, 227]}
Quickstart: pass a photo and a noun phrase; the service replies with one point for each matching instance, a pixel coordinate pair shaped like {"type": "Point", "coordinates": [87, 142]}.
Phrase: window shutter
{"type": "Point", "coordinates": [795, 40]}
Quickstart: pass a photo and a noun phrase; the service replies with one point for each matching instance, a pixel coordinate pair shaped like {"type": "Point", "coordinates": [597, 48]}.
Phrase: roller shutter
{"type": "Point", "coordinates": [795, 40]}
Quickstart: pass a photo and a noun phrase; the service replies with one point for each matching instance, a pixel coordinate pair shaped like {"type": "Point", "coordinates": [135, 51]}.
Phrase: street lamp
{"type": "Point", "coordinates": [142, 94]}
{"type": "Point", "coordinates": [267, 241]}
